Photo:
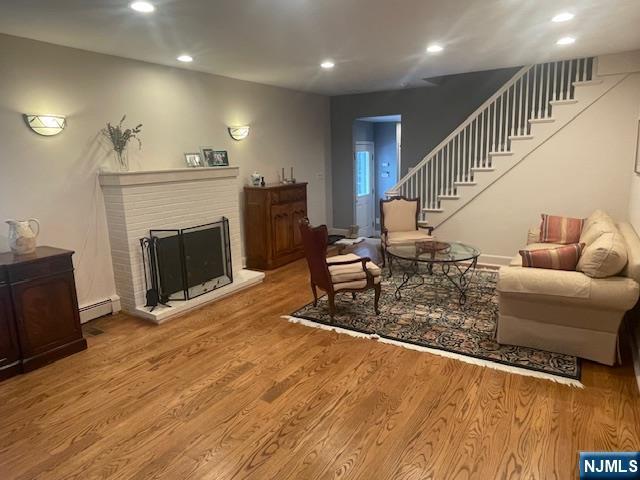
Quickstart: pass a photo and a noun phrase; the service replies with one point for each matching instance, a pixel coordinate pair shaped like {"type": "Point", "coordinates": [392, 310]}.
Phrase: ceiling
{"type": "Point", "coordinates": [375, 44]}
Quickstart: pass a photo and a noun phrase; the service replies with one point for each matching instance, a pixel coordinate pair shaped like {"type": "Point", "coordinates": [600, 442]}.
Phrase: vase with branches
{"type": "Point", "coordinates": [119, 136]}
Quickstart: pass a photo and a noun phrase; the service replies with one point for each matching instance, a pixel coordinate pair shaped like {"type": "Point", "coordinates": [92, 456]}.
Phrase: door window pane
{"type": "Point", "coordinates": [363, 175]}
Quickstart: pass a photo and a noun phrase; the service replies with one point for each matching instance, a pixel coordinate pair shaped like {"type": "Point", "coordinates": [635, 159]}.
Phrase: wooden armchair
{"type": "Point", "coordinates": [399, 223]}
{"type": "Point", "coordinates": [342, 273]}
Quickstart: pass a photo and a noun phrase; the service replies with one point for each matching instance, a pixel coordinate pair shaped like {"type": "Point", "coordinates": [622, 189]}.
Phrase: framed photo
{"type": "Point", "coordinates": [215, 158]}
{"type": "Point", "coordinates": [193, 160]}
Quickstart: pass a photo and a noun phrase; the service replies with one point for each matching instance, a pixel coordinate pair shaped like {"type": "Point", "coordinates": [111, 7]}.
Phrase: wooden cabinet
{"type": "Point", "coordinates": [272, 236]}
{"type": "Point", "coordinates": [39, 317]}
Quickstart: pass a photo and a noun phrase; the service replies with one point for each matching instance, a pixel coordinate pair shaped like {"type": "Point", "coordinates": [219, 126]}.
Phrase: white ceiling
{"type": "Point", "coordinates": [376, 44]}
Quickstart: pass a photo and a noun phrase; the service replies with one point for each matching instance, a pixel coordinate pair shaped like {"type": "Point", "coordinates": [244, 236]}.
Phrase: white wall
{"type": "Point", "coordinates": [54, 179]}
{"type": "Point", "coordinates": [585, 166]}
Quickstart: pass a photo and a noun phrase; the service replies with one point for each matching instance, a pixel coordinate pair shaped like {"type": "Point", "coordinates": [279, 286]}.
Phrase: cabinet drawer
{"type": "Point", "coordinates": [44, 268]}
{"type": "Point", "coordinates": [288, 195]}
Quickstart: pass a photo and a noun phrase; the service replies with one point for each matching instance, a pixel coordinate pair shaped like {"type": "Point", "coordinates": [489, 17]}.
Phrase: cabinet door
{"type": "Point", "coordinates": [281, 225]}
{"type": "Point", "coordinates": [298, 212]}
{"type": "Point", "coordinates": [46, 313]}
{"type": "Point", "coordinates": [9, 351]}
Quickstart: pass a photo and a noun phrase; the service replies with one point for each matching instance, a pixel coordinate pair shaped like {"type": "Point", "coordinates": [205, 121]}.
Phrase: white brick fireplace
{"type": "Point", "coordinates": [137, 202]}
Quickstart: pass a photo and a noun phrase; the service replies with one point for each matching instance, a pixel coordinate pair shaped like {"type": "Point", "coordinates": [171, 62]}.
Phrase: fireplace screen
{"type": "Point", "coordinates": [184, 264]}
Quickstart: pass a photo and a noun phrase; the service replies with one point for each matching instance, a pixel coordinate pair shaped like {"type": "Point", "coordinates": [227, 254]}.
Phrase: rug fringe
{"type": "Point", "coordinates": [443, 353]}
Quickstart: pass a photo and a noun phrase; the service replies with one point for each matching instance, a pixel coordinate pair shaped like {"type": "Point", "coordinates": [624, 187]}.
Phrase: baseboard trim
{"type": "Point", "coordinates": [494, 260]}
{"type": "Point", "coordinates": [100, 309]}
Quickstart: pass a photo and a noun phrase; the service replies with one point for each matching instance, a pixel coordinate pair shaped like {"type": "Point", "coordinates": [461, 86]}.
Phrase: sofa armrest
{"type": "Point", "coordinates": [618, 293]}
{"type": "Point", "coordinates": [533, 235]}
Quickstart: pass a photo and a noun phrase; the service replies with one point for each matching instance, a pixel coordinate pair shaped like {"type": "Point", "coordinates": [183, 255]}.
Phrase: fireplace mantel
{"type": "Point", "coordinates": [146, 177]}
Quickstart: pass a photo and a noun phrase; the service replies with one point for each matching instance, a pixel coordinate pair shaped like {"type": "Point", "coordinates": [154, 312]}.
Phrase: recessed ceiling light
{"type": "Point", "coordinates": [327, 64]}
{"type": "Point", "coordinates": [434, 48]}
{"type": "Point", "coordinates": [566, 41]}
{"type": "Point", "coordinates": [142, 7]}
{"type": "Point", "coordinates": [185, 58]}
{"type": "Point", "coordinates": [563, 17]}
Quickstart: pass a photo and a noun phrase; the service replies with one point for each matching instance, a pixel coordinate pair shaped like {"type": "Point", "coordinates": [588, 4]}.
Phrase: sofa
{"type": "Point", "coordinates": [573, 312]}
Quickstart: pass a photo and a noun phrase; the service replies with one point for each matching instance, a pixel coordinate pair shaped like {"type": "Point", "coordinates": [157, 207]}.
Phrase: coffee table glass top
{"type": "Point", "coordinates": [434, 252]}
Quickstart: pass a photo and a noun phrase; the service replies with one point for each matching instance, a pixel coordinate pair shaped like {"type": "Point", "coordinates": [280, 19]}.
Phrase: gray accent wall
{"type": "Point", "coordinates": [429, 114]}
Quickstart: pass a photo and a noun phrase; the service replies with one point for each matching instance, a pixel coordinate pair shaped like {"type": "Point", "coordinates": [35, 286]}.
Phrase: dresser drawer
{"type": "Point", "coordinates": [289, 195]}
{"type": "Point", "coordinates": [39, 268]}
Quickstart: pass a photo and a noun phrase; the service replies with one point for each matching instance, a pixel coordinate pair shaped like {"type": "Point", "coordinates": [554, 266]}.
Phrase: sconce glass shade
{"type": "Point", "coordinates": [239, 133]}
{"type": "Point", "coordinates": [47, 125]}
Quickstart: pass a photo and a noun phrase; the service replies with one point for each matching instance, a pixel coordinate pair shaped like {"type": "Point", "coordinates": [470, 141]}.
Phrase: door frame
{"type": "Point", "coordinates": [372, 179]}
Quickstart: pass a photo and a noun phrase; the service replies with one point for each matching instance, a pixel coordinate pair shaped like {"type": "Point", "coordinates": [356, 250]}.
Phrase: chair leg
{"type": "Point", "coordinates": [353, 295]}
{"type": "Point", "coordinates": [382, 252]}
{"type": "Point", "coordinates": [315, 295]}
{"type": "Point", "coordinates": [332, 305]}
{"type": "Point", "coordinates": [377, 289]}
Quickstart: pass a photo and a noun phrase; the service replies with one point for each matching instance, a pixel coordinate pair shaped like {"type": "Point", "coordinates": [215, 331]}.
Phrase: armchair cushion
{"type": "Point", "coordinates": [356, 284]}
{"type": "Point", "coordinates": [352, 272]}
{"type": "Point", "coordinates": [408, 237]}
{"type": "Point", "coordinates": [400, 215]}
{"type": "Point", "coordinates": [605, 257]}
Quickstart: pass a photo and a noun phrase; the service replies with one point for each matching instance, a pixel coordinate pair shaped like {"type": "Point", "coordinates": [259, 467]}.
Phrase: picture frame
{"type": "Point", "coordinates": [193, 160]}
{"type": "Point", "coordinates": [214, 158]}
{"type": "Point", "coordinates": [636, 167]}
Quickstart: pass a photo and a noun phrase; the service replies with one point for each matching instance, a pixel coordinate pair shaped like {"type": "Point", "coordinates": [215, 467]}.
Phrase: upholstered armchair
{"type": "Point", "coordinates": [338, 274]}
{"type": "Point", "coordinates": [399, 223]}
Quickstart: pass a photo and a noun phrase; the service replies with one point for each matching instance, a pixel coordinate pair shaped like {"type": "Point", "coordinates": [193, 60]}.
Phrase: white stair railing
{"type": "Point", "coordinates": [489, 130]}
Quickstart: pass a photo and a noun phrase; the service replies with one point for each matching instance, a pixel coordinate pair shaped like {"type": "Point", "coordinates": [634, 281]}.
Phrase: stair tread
{"type": "Point", "coordinates": [587, 82]}
{"type": "Point", "coordinates": [542, 120]}
{"type": "Point", "coordinates": [568, 101]}
{"type": "Point", "coordinates": [482, 169]}
{"type": "Point", "coordinates": [520, 137]}
{"type": "Point", "coordinates": [432, 210]}
{"type": "Point", "coordinates": [462, 184]}
{"type": "Point", "coordinates": [499, 153]}
{"type": "Point", "coordinates": [448, 197]}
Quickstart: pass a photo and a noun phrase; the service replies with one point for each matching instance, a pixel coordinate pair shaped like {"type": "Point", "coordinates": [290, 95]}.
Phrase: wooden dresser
{"type": "Point", "coordinates": [39, 317]}
{"type": "Point", "coordinates": [271, 215]}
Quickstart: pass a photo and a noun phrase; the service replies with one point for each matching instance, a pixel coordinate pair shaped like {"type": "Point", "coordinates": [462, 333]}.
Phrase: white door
{"type": "Point", "coordinates": [364, 190]}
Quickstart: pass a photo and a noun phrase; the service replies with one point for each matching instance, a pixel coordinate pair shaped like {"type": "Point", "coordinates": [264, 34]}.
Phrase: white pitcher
{"type": "Point", "coordinates": [22, 238]}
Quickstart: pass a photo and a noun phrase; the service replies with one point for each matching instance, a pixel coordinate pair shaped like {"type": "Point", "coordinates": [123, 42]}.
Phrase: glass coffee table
{"type": "Point", "coordinates": [456, 260]}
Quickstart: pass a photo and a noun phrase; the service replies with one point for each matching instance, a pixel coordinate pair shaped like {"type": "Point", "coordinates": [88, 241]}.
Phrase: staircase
{"type": "Point", "coordinates": [535, 104]}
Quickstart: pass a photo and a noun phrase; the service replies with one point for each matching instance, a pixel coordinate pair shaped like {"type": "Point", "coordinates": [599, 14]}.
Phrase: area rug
{"type": "Point", "coordinates": [429, 318]}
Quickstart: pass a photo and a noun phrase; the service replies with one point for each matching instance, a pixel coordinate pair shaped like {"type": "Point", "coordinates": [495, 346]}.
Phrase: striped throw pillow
{"type": "Point", "coordinates": [561, 258]}
{"type": "Point", "coordinates": [564, 230]}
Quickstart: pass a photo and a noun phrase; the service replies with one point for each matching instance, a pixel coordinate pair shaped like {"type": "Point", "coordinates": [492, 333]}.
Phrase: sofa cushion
{"type": "Point", "coordinates": [350, 272]}
{"type": "Point", "coordinates": [561, 258]}
{"type": "Point", "coordinates": [555, 229]}
{"type": "Point", "coordinates": [595, 225]}
{"type": "Point", "coordinates": [538, 281]}
{"type": "Point", "coordinates": [605, 257]}
{"type": "Point", "coordinates": [399, 215]}
{"type": "Point", "coordinates": [632, 241]}
{"type": "Point", "coordinates": [407, 238]}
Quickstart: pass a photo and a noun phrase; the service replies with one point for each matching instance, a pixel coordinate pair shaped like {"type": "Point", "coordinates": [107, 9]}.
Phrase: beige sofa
{"type": "Point", "coordinates": [572, 312]}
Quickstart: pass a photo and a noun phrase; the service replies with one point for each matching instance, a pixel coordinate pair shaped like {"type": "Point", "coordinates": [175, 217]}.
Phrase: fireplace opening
{"type": "Point", "coordinates": [181, 264]}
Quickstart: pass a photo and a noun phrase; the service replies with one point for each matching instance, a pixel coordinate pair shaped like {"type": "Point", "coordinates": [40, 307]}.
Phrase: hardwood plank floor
{"type": "Point", "coordinates": [232, 391]}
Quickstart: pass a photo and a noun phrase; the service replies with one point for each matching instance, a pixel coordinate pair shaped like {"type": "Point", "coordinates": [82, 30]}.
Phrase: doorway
{"type": "Point", "coordinates": [376, 147]}
{"type": "Point", "coordinates": [364, 188]}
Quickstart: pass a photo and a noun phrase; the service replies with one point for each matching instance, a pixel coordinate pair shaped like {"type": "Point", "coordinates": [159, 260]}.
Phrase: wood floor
{"type": "Point", "coordinates": [232, 391]}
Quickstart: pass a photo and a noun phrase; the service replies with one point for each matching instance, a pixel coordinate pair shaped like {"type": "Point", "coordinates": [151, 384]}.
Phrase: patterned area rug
{"type": "Point", "coordinates": [429, 315]}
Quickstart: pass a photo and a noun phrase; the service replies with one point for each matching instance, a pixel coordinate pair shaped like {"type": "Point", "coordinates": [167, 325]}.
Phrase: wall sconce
{"type": "Point", "coordinates": [239, 133]}
{"type": "Point", "coordinates": [47, 125]}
